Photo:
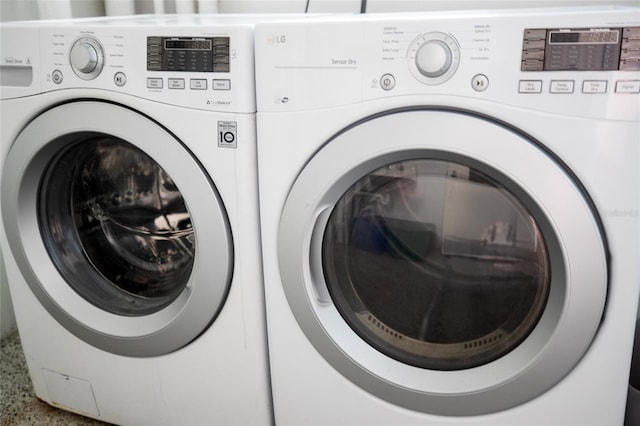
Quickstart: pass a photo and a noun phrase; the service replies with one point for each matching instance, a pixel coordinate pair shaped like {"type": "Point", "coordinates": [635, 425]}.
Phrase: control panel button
{"type": "Point", "coordinates": [630, 65]}
{"type": "Point", "coordinates": [387, 82]}
{"type": "Point", "coordinates": [594, 86]}
{"type": "Point", "coordinates": [120, 79]}
{"type": "Point", "coordinates": [561, 86]}
{"type": "Point", "coordinates": [198, 84]}
{"type": "Point", "coordinates": [533, 55]}
{"type": "Point", "coordinates": [57, 77]}
{"type": "Point", "coordinates": [221, 84]}
{"type": "Point", "coordinates": [176, 83]}
{"type": "Point", "coordinates": [530, 86]}
{"type": "Point", "coordinates": [533, 44]}
{"type": "Point", "coordinates": [154, 83]}
{"type": "Point", "coordinates": [532, 66]}
{"type": "Point", "coordinates": [480, 83]}
{"type": "Point", "coordinates": [535, 34]}
{"type": "Point", "coordinates": [632, 86]}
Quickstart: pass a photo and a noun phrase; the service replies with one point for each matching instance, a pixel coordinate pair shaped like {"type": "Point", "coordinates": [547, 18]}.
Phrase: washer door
{"type": "Point", "coordinates": [443, 262]}
{"type": "Point", "coordinates": [116, 228]}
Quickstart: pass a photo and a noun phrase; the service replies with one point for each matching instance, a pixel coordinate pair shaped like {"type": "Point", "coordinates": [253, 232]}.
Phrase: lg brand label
{"type": "Point", "coordinates": [276, 39]}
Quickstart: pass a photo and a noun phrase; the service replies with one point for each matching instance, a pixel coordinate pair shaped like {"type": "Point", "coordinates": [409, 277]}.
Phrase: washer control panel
{"type": "Point", "coordinates": [194, 61]}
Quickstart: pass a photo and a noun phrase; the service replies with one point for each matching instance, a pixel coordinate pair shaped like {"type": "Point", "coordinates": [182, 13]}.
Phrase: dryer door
{"type": "Point", "coordinates": [116, 228]}
{"type": "Point", "coordinates": [443, 261]}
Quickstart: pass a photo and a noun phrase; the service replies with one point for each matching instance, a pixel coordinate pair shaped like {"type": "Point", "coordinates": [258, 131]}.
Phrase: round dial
{"type": "Point", "coordinates": [433, 57]}
{"type": "Point", "coordinates": [86, 57]}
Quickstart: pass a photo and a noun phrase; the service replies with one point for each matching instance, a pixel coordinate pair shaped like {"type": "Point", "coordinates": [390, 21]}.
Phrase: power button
{"type": "Point", "coordinates": [387, 82]}
{"type": "Point", "coordinates": [56, 76]}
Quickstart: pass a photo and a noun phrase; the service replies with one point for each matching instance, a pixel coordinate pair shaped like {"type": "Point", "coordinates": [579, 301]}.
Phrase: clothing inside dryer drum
{"type": "Point", "coordinates": [116, 226]}
{"type": "Point", "coordinates": [436, 264]}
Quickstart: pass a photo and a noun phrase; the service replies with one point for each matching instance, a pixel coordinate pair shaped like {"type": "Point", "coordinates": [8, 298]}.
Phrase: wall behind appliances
{"type": "Point", "coordinates": [15, 10]}
{"type": "Point", "coordinates": [11, 10]}
{"type": "Point", "coordinates": [376, 6]}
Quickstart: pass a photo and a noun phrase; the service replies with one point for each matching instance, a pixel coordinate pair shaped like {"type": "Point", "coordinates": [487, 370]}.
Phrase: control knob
{"type": "Point", "coordinates": [433, 58]}
{"type": "Point", "coordinates": [86, 57]}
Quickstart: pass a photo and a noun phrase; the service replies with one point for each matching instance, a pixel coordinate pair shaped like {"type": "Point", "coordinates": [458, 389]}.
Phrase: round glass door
{"type": "Point", "coordinates": [436, 264]}
{"type": "Point", "coordinates": [111, 216]}
{"type": "Point", "coordinates": [118, 230]}
{"type": "Point", "coordinates": [442, 261]}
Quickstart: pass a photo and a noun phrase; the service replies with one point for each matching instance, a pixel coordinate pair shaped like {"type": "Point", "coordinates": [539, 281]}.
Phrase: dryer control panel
{"type": "Point", "coordinates": [582, 62]}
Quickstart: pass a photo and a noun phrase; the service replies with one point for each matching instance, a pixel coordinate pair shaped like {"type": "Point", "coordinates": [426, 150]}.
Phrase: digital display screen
{"type": "Point", "coordinates": [188, 54]}
{"type": "Point", "coordinates": [583, 37]}
{"type": "Point", "coordinates": [188, 44]}
{"type": "Point", "coordinates": [580, 49]}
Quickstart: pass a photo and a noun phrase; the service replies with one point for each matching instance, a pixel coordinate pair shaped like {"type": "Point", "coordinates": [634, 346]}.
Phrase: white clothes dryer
{"type": "Point", "coordinates": [449, 207]}
{"type": "Point", "coordinates": [130, 213]}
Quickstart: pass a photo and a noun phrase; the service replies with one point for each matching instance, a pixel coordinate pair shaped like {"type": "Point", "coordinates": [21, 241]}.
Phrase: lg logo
{"type": "Point", "coordinates": [276, 39]}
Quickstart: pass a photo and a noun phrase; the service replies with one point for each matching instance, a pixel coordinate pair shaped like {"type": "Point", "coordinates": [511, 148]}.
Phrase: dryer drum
{"type": "Point", "coordinates": [112, 217]}
{"type": "Point", "coordinates": [436, 264]}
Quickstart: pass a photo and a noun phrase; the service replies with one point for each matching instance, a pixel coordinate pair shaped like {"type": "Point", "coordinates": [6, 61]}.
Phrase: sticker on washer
{"type": "Point", "coordinates": [227, 134]}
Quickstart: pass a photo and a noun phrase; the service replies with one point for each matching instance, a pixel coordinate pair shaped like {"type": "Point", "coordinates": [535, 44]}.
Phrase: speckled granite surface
{"type": "Point", "coordinates": [18, 404]}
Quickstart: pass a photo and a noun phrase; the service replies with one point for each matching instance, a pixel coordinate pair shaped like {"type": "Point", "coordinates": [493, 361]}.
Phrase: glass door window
{"type": "Point", "coordinates": [116, 226]}
{"type": "Point", "coordinates": [436, 264]}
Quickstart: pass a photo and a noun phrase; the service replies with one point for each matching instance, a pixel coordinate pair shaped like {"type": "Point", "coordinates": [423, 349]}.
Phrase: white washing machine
{"type": "Point", "coordinates": [130, 213]}
{"type": "Point", "coordinates": [449, 212]}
